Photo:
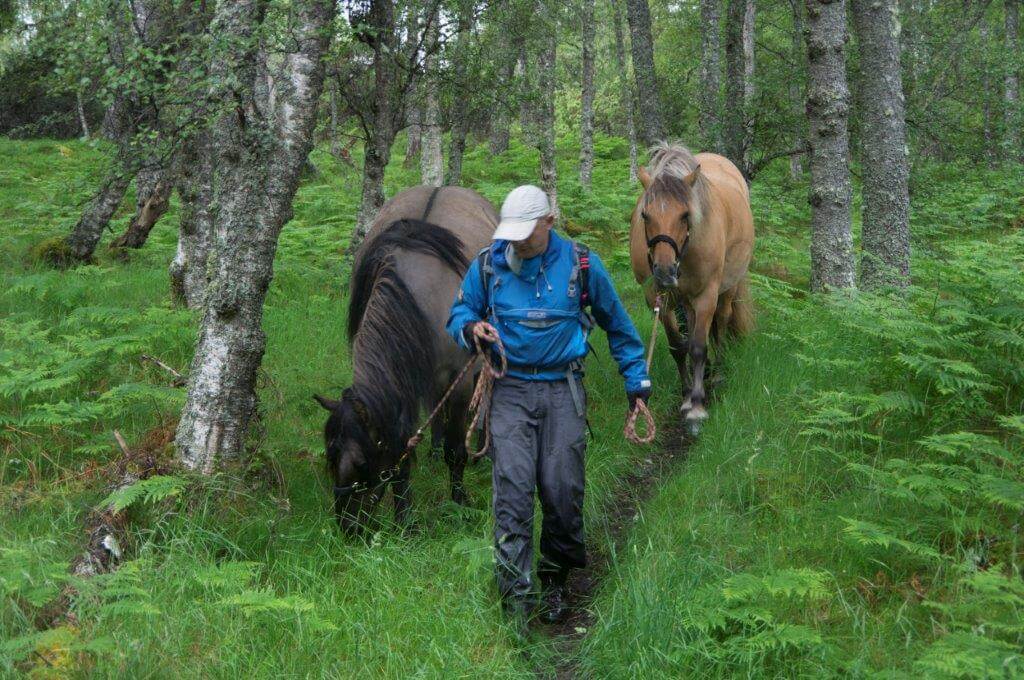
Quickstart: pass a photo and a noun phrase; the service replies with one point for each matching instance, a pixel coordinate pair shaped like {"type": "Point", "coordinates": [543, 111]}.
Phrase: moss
{"type": "Point", "coordinates": [55, 252]}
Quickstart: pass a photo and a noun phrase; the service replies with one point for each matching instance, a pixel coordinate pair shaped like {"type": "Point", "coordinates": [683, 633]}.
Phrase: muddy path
{"type": "Point", "coordinates": [623, 511]}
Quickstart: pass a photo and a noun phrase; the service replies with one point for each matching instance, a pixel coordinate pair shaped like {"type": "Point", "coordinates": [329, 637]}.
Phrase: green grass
{"type": "Point", "coordinates": [245, 575]}
{"type": "Point", "coordinates": [401, 605]}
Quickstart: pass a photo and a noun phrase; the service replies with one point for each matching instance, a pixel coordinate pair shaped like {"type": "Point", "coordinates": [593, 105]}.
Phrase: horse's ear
{"type": "Point", "coordinates": [328, 404]}
{"type": "Point", "coordinates": [364, 415]}
{"type": "Point", "coordinates": [692, 178]}
{"type": "Point", "coordinates": [643, 176]}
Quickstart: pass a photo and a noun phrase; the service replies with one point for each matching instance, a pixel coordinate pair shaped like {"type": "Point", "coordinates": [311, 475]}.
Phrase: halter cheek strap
{"type": "Point", "coordinates": [665, 238]}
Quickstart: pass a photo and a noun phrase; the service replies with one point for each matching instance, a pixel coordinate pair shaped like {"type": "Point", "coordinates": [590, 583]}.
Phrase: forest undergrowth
{"type": "Point", "coordinates": [853, 505]}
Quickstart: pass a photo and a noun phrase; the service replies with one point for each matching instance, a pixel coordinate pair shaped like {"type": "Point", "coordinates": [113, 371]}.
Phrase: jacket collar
{"type": "Point", "coordinates": [532, 265]}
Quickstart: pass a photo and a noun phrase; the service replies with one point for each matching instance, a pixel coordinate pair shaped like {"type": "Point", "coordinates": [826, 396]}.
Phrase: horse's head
{"type": "Point", "coordinates": [354, 459]}
{"type": "Point", "coordinates": [669, 208]}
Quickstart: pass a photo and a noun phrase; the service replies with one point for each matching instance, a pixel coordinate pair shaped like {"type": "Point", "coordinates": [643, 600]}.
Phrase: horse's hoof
{"type": "Point", "coordinates": [695, 418]}
{"type": "Point", "coordinates": [460, 497]}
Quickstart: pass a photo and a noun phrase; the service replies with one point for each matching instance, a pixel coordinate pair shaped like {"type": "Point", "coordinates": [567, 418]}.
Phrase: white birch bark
{"type": "Point", "coordinates": [587, 94]}
{"type": "Point", "coordinates": [710, 76]}
{"type": "Point", "coordinates": [651, 127]}
{"type": "Point", "coordinates": [546, 122]}
{"type": "Point", "coordinates": [828, 105]}
{"type": "Point", "coordinates": [886, 197]}
{"type": "Point", "coordinates": [1012, 121]}
{"type": "Point", "coordinates": [257, 168]}
{"type": "Point", "coordinates": [626, 88]}
{"type": "Point", "coordinates": [431, 154]}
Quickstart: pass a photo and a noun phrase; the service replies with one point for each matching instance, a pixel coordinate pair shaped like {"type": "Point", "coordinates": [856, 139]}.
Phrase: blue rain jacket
{"type": "Point", "coordinates": [537, 314]}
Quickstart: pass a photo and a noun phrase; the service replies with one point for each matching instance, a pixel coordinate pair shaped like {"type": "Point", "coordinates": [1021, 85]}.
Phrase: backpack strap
{"type": "Point", "coordinates": [486, 270]}
{"type": "Point", "coordinates": [583, 258]}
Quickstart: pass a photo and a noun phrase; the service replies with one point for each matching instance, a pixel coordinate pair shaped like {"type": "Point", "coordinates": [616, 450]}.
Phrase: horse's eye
{"type": "Point", "coordinates": [685, 218]}
{"type": "Point", "coordinates": [644, 216]}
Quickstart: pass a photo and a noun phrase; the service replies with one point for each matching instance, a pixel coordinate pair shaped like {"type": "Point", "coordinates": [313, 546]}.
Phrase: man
{"type": "Point", "coordinates": [530, 289]}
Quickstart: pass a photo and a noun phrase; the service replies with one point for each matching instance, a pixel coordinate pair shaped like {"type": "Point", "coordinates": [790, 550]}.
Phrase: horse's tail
{"type": "Point", "coordinates": [742, 320]}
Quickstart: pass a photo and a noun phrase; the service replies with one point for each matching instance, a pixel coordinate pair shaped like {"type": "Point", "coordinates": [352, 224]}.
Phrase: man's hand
{"type": "Point", "coordinates": [487, 334]}
{"type": "Point", "coordinates": [643, 395]}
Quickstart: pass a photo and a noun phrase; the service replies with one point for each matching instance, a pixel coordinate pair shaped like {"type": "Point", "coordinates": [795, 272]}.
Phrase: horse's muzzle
{"type": "Point", "coordinates": [666, 276]}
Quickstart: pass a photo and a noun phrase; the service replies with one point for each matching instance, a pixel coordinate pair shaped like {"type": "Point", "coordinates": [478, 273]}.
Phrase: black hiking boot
{"type": "Point", "coordinates": [518, 611]}
{"type": "Point", "coordinates": [554, 603]}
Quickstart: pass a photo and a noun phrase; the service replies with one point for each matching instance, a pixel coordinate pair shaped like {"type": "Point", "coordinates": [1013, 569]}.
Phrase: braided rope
{"type": "Point", "coordinates": [481, 396]}
{"type": "Point", "coordinates": [629, 431]}
{"type": "Point", "coordinates": [481, 401]}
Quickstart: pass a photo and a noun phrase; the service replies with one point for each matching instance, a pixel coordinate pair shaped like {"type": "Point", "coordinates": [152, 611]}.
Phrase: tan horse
{"type": "Point", "coordinates": [691, 239]}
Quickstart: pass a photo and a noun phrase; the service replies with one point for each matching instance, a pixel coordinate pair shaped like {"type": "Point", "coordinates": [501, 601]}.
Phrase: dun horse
{"type": "Point", "coordinates": [404, 279]}
{"type": "Point", "coordinates": [691, 239]}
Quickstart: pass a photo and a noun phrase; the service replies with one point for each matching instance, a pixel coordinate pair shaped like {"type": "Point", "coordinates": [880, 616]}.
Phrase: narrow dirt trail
{"type": "Point", "coordinates": [584, 584]}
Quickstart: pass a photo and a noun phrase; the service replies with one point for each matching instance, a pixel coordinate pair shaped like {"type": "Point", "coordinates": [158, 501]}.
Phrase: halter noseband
{"type": "Point", "coordinates": [671, 242]}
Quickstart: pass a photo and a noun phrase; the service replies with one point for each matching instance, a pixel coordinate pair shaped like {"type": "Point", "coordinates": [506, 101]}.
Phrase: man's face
{"type": "Point", "coordinates": [537, 242]}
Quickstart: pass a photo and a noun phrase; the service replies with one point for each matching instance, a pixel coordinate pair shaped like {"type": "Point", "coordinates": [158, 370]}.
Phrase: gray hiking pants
{"type": "Point", "coordinates": [538, 439]}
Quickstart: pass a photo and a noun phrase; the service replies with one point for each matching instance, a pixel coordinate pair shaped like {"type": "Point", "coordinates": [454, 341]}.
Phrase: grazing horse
{"type": "Point", "coordinates": [404, 279]}
{"type": "Point", "coordinates": [691, 239]}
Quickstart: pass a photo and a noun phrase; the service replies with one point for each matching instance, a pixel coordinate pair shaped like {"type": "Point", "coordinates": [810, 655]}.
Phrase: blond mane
{"type": "Point", "coordinates": [670, 164]}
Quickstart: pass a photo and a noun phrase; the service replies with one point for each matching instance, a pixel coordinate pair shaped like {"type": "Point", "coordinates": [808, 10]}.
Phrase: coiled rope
{"type": "Point", "coordinates": [641, 409]}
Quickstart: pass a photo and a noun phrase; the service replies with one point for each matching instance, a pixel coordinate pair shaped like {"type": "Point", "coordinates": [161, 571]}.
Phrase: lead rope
{"type": "Point", "coordinates": [641, 407]}
{"type": "Point", "coordinates": [481, 401]}
{"type": "Point", "coordinates": [481, 396]}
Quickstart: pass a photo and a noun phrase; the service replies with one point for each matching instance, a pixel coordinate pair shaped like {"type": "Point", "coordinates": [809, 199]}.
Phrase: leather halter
{"type": "Point", "coordinates": [671, 242]}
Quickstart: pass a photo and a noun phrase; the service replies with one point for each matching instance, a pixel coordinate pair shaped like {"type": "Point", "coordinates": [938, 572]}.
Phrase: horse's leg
{"type": "Point", "coordinates": [676, 345]}
{"type": "Point", "coordinates": [676, 336]}
{"type": "Point", "coordinates": [723, 315]}
{"type": "Point", "coordinates": [703, 312]}
{"type": "Point", "coordinates": [436, 437]}
{"type": "Point", "coordinates": [455, 422]}
{"type": "Point", "coordinates": [401, 489]}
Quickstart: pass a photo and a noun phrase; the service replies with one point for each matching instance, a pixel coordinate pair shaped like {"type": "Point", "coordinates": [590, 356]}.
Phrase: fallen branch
{"type": "Point", "coordinates": [179, 379]}
{"type": "Point", "coordinates": [106, 530]}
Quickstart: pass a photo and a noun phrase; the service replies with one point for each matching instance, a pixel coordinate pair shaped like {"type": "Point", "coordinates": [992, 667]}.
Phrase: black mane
{"type": "Point", "coordinates": [414, 235]}
{"type": "Point", "coordinates": [391, 337]}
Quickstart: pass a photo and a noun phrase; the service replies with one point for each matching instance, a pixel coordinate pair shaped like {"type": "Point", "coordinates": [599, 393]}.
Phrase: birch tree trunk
{"type": "Point", "coordinates": [739, 83]}
{"type": "Point", "coordinates": [886, 213]}
{"type": "Point", "coordinates": [828, 104]}
{"type": "Point", "coordinates": [587, 95]}
{"type": "Point", "coordinates": [796, 95]}
{"type": "Point", "coordinates": [500, 133]}
{"type": "Point", "coordinates": [749, 10]}
{"type": "Point", "coordinates": [651, 128]}
{"type": "Point", "coordinates": [82, 122]}
{"type": "Point", "coordinates": [1012, 150]}
{"type": "Point", "coordinates": [626, 93]}
{"type": "Point", "coordinates": [431, 155]}
{"type": "Point", "coordinates": [546, 117]}
{"type": "Point", "coordinates": [256, 172]}
{"type": "Point", "coordinates": [149, 24]}
{"type": "Point", "coordinates": [525, 76]}
{"type": "Point", "coordinates": [195, 187]}
{"type": "Point", "coordinates": [415, 138]}
{"type": "Point", "coordinates": [153, 184]}
{"type": "Point", "coordinates": [988, 117]}
{"type": "Point", "coordinates": [710, 76]}
{"type": "Point", "coordinates": [381, 134]}
{"type": "Point", "coordinates": [460, 102]}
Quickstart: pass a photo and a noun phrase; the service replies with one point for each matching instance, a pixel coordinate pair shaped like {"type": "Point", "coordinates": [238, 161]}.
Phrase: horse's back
{"type": "Point", "coordinates": [433, 283]}
{"type": "Point", "coordinates": [461, 211]}
{"type": "Point", "coordinates": [723, 173]}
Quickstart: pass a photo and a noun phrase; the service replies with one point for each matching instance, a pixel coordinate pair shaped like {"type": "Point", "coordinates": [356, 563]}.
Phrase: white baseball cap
{"type": "Point", "coordinates": [519, 213]}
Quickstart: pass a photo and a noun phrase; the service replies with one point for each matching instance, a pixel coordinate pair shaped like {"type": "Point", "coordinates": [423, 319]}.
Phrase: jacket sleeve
{"type": "Point", "coordinates": [623, 340]}
{"type": "Point", "coordinates": [469, 304]}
